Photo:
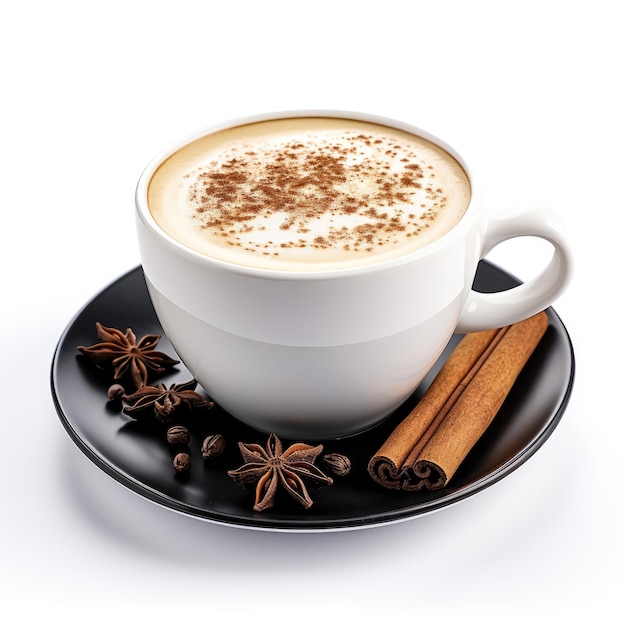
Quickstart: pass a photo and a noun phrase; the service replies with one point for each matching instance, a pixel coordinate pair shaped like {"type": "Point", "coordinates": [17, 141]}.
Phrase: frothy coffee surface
{"type": "Point", "coordinates": [308, 194]}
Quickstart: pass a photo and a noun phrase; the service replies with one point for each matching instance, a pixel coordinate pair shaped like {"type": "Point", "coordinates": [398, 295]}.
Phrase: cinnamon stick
{"type": "Point", "coordinates": [427, 447]}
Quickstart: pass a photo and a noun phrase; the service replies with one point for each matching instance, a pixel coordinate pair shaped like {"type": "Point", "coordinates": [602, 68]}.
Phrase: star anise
{"type": "Point", "coordinates": [268, 469]}
{"type": "Point", "coordinates": [127, 356]}
{"type": "Point", "coordinates": [164, 404]}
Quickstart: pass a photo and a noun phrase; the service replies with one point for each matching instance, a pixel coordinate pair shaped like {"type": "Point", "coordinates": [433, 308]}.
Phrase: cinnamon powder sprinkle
{"type": "Point", "coordinates": [302, 183]}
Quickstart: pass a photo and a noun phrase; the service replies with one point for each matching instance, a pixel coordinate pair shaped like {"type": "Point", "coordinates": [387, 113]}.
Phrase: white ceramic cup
{"type": "Point", "coordinates": [325, 354]}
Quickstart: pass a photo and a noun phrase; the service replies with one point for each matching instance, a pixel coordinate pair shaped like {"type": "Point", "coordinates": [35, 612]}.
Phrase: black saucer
{"type": "Point", "coordinates": [141, 461]}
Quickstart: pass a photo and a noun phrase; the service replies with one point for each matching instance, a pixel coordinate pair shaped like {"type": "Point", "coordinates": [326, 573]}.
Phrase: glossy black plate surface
{"type": "Point", "coordinates": [142, 461]}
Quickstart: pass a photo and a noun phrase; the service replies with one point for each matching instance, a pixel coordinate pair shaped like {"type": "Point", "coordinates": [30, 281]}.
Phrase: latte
{"type": "Point", "coordinates": [309, 193]}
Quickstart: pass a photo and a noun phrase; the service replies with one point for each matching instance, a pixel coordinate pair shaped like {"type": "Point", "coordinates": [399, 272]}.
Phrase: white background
{"type": "Point", "coordinates": [92, 91]}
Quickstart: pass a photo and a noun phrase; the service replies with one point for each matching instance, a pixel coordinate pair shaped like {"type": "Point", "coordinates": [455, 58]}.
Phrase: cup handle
{"type": "Point", "coordinates": [484, 311]}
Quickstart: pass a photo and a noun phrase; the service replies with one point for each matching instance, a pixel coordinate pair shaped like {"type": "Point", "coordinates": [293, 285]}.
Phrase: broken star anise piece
{"type": "Point", "coordinates": [164, 404]}
{"type": "Point", "coordinates": [127, 356]}
{"type": "Point", "coordinates": [268, 469]}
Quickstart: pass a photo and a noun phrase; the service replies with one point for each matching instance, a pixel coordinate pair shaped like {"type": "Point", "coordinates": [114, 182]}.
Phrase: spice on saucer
{"type": "Point", "coordinates": [177, 436]}
{"type": "Point", "coordinates": [213, 446]}
{"type": "Point", "coordinates": [267, 470]}
{"type": "Point", "coordinates": [182, 462]}
{"type": "Point", "coordinates": [128, 357]}
{"type": "Point", "coordinates": [116, 393]}
{"type": "Point", "coordinates": [165, 404]}
{"type": "Point", "coordinates": [427, 447]}
{"type": "Point", "coordinates": [337, 464]}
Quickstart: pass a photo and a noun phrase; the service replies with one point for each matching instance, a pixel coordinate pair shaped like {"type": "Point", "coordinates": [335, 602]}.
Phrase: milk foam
{"type": "Point", "coordinates": [308, 194]}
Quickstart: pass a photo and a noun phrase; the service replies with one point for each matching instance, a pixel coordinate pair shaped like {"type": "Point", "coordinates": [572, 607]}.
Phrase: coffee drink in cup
{"type": "Point", "coordinates": [310, 267]}
{"type": "Point", "coordinates": [310, 193]}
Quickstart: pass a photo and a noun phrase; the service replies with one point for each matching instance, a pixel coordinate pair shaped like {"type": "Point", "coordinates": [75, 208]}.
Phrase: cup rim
{"type": "Point", "coordinates": [146, 217]}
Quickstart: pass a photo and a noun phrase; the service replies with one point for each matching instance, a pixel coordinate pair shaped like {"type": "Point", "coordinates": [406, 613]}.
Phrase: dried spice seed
{"type": "Point", "coordinates": [127, 356]}
{"type": "Point", "coordinates": [182, 462]}
{"type": "Point", "coordinates": [178, 436]}
{"type": "Point", "coordinates": [267, 469]}
{"type": "Point", "coordinates": [213, 446]}
{"type": "Point", "coordinates": [116, 393]}
{"type": "Point", "coordinates": [337, 464]}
